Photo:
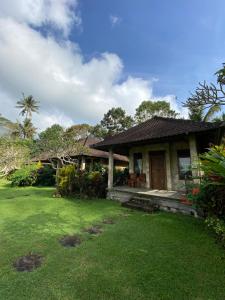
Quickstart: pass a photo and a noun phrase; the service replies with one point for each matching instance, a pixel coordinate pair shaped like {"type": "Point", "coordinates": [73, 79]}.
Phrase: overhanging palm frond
{"type": "Point", "coordinates": [211, 112]}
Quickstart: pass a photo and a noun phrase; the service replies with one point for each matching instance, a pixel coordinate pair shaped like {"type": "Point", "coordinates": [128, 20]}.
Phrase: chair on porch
{"type": "Point", "coordinates": [141, 180]}
{"type": "Point", "coordinates": [135, 180]}
{"type": "Point", "coordinates": [132, 180]}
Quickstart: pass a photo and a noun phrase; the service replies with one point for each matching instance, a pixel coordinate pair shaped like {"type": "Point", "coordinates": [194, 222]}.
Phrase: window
{"type": "Point", "coordinates": [184, 164]}
{"type": "Point", "coordinates": [138, 164]}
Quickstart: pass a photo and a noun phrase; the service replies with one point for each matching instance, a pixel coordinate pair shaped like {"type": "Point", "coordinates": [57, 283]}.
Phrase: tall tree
{"type": "Point", "coordinates": [114, 121]}
{"type": "Point", "coordinates": [59, 146]}
{"type": "Point", "coordinates": [26, 129]}
{"type": "Point", "coordinates": [79, 131]}
{"type": "Point", "coordinates": [147, 109]}
{"type": "Point", "coordinates": [28, 105]}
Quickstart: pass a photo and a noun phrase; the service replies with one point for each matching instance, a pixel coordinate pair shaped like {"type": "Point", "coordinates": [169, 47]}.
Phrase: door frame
{"type": "Point", "coordinates": [152, 153]}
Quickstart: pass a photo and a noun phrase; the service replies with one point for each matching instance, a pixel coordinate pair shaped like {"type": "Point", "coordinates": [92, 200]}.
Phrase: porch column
{"type": "Point", "coordinates": [83, 163]}
{"type": "Point", "coordinates": [194, 156]}
{"type": "Point", "coordinates": [110, 169]}
{"type": "Point", "coordinates": [168, 168]}
{"type": "Point", "coordinates": [146, 167]}
{"type": "Point", "coordinates": [131, 162]}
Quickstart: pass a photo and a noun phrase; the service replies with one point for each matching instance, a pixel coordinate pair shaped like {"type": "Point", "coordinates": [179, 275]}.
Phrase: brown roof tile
{"type": "Point", "coordinates": [157, 128]}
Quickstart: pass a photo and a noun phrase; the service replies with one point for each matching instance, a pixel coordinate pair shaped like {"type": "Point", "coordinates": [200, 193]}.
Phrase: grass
{"type": "Point", "coordinates": [160, 256]}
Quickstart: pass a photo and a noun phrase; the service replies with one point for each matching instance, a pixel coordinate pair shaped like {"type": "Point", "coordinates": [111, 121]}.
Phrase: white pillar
{"type": "Point", "coordinates": [83, 163]}
{"type": "Point", "coordinates": [168, 168]}
{"type": "Point", "coordinates": [194, 156]}
{"type": "Point", "coordinates": [131, 162]}
{"type": "Point", "coordinates": [146, 167]}
{"type": "Point", "coordinates": [110, 170]}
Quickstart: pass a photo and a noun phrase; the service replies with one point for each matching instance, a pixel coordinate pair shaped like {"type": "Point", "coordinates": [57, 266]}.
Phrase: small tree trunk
{"type": "Point", "coordinates": [59, 166]}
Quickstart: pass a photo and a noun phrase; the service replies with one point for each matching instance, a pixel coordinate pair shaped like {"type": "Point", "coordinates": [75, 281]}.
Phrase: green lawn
{"type": "Point", "coordinates": [160, 256]}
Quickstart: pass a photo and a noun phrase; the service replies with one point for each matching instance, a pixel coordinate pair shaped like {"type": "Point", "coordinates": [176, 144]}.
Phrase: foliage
{"type": "Point", "coordinates": [45, 175]}
{"type": "Point", "coordinates": [218, 227]}
{"type": "Point", "coordinates": [7, 124]}
{"type": "Point", "coordinates": [99, 132]}
{"type": "Point", "coordinates": [208, 199]}
{"type": "Point", "coordinates": [113, 122]}
{"type": "Point", "coordinates": [59, 146]}
{"type": "Point", "coordinates": [25, 176]}
{"type": "Point", "coordinates": [213, 164]}
{"type": "Point", "coordinates": [197, 113]}
{"type": "Point", "coordinates": [79, 131]}
{"type": "Point", "coordinates": [66, 178]}
{"type": "Point", "coordinates": [148, 109]}
{"type": "Point", "coordinates": [14, 153]}
{"type": "Point", "coordinates": [72, 180]}
{"type": "Point", "coordinates": [26, 129]}
{"type": "Point", "coordinates": [221, 118]}
{"type": "Point", "coordinates": [208, 96]}
{"type": "Point", "coordinates": [28, 105]}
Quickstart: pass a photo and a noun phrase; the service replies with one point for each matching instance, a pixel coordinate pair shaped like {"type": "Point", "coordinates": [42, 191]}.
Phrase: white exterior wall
{"type": "Point", "coordinates": [172, 171]}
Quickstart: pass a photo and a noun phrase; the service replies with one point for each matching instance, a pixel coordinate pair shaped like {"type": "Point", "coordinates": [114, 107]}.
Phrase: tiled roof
{"type": "Point", "coordinates": [157, 128]}
{"type": "Point", "coordinates": [88, 142]}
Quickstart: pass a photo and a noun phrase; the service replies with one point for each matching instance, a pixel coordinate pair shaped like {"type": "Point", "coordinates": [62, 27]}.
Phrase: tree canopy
{"type": "Point", "coordinates": [148, 109]}
{"type": "Point", "coordinates": [28, 105]}
{"type": "Point", "coordinates": [59, 146]}
{"type": "Point", "coordinates": [114, 121]}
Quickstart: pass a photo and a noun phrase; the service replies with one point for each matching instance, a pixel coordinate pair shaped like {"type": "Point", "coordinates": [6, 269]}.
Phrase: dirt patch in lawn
{"type": "Point", "coordinates": [94, 229]}
{"type": "Point", "coordinates": [108, 221]}
{"type": "Point", "coordinates": [28, 262]}
{"type": "Point", "coordinates": [70, 241]}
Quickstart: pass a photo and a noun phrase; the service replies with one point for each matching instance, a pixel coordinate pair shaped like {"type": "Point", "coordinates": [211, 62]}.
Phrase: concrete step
{"type": "Point", "coordinates": [138, 205]}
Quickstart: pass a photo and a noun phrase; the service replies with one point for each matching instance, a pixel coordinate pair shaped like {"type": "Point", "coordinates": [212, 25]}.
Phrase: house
{"type": "Point", "coordinates": [93, 156]}
{"type": "Point", "coordinates": [161, 151]}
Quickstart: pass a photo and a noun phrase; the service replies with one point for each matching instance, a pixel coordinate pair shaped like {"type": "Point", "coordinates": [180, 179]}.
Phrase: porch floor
{"type": "Point", "coordinates": [175, 195]}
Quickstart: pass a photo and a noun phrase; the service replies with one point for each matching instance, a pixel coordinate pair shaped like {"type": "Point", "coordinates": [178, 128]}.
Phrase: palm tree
{"type": "Point", "coordinates": [28, 105]}
{"type": "Point", "coordinates": [220, 119]}
{"type": "Point", "coordinates": [27, 129]}
{"type": "Point", "coordinates": [211, 112]}
{"type": "Point", "coordinates": [197, 113]}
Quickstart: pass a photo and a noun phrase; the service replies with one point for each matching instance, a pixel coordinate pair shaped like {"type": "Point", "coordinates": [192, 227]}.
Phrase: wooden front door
{"type": "Point", "coordinates": [157, 170]}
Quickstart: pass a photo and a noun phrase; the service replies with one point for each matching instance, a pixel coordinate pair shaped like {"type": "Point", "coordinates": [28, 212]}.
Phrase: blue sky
{"type": "Point", "coordinates": [79, 58]}
{"type": "Point", "coordinates": [178, 42]}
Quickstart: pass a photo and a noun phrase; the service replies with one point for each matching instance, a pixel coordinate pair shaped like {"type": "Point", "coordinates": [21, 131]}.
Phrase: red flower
{"type": "Point", "coordinates": [195, 191]}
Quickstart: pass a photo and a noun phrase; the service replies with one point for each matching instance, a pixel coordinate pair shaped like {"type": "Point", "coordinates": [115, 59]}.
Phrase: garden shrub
{"type": "Point", "coordinates": [25, 176]}
{"type": "Point", "coordinates": [71, 180]}
{"type": "Point", "coordinates": [209, 197]}
{"type": "Point", "coordinates": [66, 177]}
{"type": "Point", "coordinates": [45, 176]}
{"type": "Point", "coordinates": [218, 227]}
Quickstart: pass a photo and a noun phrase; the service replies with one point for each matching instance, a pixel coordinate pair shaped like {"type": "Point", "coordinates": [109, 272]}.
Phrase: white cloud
{"type": "Point", "coordinates": [69, 88]}
{"type": "Point", "coordinates": [60, 14]}
{"type": "Point", "coordinates": [115, 20]}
